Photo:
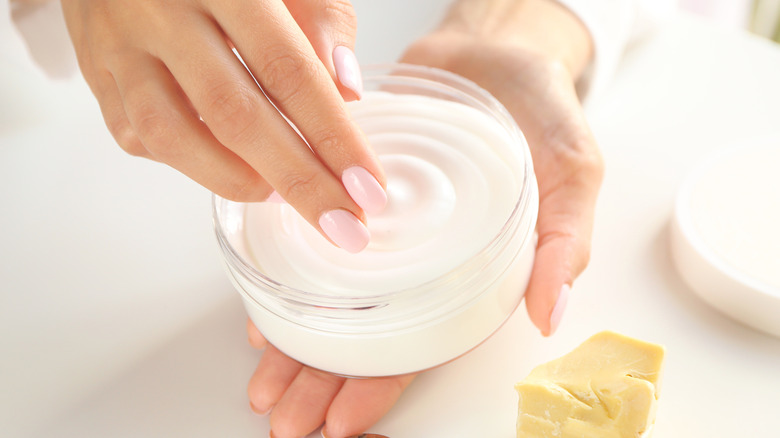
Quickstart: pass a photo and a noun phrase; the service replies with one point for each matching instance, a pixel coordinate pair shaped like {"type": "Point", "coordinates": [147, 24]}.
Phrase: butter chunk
{"type": "Point", "coordinates": [605, 388]}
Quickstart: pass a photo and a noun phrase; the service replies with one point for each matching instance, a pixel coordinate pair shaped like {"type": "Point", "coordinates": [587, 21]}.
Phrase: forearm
{"type": "Point", "coordinates": [542, 26]}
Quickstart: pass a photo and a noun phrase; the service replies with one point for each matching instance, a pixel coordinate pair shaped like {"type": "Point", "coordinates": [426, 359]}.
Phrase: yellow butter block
{"type": "Point", "coordinates": [605, 388]}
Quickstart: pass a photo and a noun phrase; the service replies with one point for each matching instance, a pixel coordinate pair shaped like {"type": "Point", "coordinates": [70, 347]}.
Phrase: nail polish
{"type": "Point", "coordinates": [345, 230]}
{"type": "Point", "coordinates": [348, 70]}
{"type": "Point", "coordinates": [364, 189]}
{"type": "Point", "coordinates": [560, 306]}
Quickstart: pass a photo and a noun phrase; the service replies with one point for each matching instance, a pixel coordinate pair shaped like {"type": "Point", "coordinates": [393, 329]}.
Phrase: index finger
{"type": "Point", "coordinates": [290, 73]}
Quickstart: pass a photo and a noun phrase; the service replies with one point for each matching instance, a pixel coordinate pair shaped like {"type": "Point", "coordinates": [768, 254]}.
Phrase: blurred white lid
{"type": "Point", "coordinates": [726, 233]}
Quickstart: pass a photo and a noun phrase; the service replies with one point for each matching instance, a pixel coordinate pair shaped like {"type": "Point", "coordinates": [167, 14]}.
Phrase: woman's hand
{"type": "Point", "coordinates": [299, 399]}
{"type": "Point", "coordinates": [529, 54]}
{"type": "Point", "coordinates": [171, 89]}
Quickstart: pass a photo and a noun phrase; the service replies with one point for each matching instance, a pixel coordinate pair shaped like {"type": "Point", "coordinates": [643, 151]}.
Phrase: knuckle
{"type": "Point", "coordinates": [329, 141]}
{"type": "Point", "coordinates": [343, 13]}
{"type": "Point", "coordinates": [125, 136]}
{"type": "Point", "coordinates": [157, 127]}
{"type": "Point", "coordinates": [591, 167]}
{"type": "Point", "coordinates": [284, 73]}
{"type": "Point", "coordinates": [232, 111]}
{"type": "Point", "coordinates": [132, 145]}
{"type": "Point", "coordinates": [152, 124]}
{"type": "Point", "coordinates": [578, 155]}
{"type": "Point", "coordinates": [247, 189]}
{"type": "Point", "coordinates": [296, 185]}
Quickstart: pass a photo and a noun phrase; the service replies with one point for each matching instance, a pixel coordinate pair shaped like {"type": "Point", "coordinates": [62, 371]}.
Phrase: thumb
{"type": "Point", "coordinates": [330, 26]}
{"type": "Point", "coordinates": [565, 226]}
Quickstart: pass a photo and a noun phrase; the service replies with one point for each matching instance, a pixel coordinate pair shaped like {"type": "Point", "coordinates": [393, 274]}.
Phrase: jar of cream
{"type": "Point", "coordinates": [449, 257]}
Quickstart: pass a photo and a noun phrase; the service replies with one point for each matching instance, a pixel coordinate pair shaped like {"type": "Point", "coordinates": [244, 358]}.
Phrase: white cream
{"type": "Point", "coordinates": [447, 263]}
{"type": "Point", "coordinates": [449, 192]}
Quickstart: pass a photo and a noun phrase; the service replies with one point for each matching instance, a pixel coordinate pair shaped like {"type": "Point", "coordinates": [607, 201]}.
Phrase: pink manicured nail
{"type": "Point", "coordinates": [275, 197]}
{"type": "Point", "coordinates": [345, 230]}
{"type": "Point", "coordinates": [560, 306]}
{"type": "Point", "coordinates": [348, 69]}
{"type": "Point", "coordinates": [364, 189]}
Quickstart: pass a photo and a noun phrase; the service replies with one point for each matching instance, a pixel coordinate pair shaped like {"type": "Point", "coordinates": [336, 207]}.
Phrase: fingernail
{"type": "Point", "coordinates": [348, 69]}
{"type": "Point", "coordinates": [560, 306]}
{"type": "Point", "coordinates": [276, 198]}
{"type": "Point", "coordinates": [345, 230]}
{"type": "Point", "coordinates": [258, 411]}
{"type": "Point", "coordinates": [364, 189]}
{"type": "Point", "coordinates": [324, 435]}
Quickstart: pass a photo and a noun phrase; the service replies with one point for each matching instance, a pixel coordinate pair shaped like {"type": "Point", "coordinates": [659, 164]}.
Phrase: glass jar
{"type": "Point", "coordinates": [384, 330]}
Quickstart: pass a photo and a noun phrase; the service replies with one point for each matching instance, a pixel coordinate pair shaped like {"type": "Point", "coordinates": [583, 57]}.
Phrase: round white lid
{"type": "Point", "coordinates": [725, 233]}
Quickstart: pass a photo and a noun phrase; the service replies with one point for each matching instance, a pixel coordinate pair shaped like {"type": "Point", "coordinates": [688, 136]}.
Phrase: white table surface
{"type": "Point", "coordinates": [116, 319]}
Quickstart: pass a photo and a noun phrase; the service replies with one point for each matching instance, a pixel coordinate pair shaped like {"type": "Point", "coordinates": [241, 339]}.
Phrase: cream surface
{"type": "Point", "coordinates": [450, 190]}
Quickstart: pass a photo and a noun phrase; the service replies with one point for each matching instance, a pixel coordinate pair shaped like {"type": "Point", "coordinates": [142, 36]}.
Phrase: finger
{"type": "Point", "coordinates": [331, 26]}
{"type": "Point", "coordinates": [289, 71]}
{"type": "Point", "coordinates": [361, 403]}
{"type": "Point", "coordinates": [242, 119]}
{"type": "Point", "coordinates": [305, 403]}
{"type": "Point", "coordinates": [565, 223]}
{"type": "Point", "coordinates": [569, 170]}
{"type": "Point", "coordinates": [171, 132]}
{"type": "Point", "coordinates": [256, 339]}
{"type": "Point", "coordinates": [275, 372]}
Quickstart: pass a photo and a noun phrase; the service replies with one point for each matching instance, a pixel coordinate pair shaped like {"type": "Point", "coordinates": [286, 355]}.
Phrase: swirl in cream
{"type": "Point", "coordinates": [450, 188]}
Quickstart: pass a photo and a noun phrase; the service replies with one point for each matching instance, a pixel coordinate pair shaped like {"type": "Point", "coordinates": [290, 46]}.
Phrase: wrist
{"type": "Point", "coordinates": [542, 26]}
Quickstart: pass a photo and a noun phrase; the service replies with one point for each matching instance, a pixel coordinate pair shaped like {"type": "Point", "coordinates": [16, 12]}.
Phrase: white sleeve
{"type": "Point", "coordinates": [613, 26]}
{"type": "Point", "coordinates": [41, 27]}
